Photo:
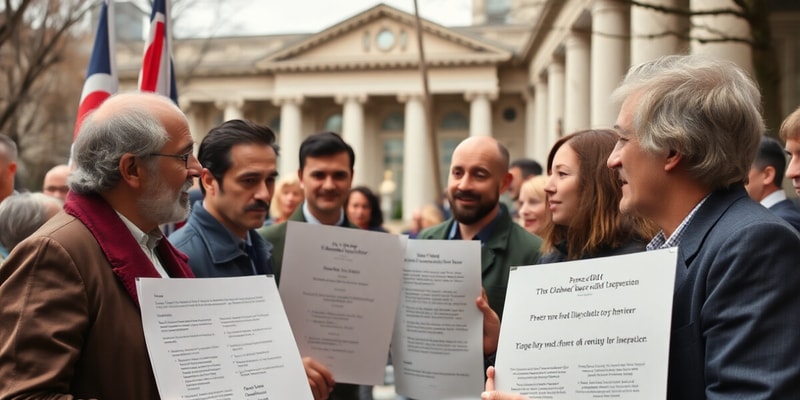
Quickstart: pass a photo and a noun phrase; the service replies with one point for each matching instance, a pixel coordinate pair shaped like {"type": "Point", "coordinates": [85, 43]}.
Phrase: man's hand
{"type": "Point", "coordinates": [491, 394]}
{"type": "Point", "coordinates": [319, 378]}
{"type": "Point", "coordinates": [491, 325]}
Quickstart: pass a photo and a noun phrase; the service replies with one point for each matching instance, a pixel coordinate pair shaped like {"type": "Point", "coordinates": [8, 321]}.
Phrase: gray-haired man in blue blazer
{"type": "Point", "coordinates": [689, 127]}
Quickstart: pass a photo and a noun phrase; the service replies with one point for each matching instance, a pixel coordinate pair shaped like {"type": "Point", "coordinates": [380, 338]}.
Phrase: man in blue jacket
{"type": "Point", "coordinates": [238, 179]}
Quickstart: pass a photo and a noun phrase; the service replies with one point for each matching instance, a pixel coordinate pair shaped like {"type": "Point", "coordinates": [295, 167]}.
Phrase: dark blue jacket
{"type": "Point", "coordinates": [214, 251]}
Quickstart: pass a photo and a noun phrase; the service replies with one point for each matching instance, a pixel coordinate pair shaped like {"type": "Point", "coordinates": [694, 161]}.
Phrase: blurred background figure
{"type": "Point", "coordinates": [583, 197]}
{"type": "Point", "coordinates": [363, 209]}
{"type": "Point", "coordinates": [531, 205]}
{"type": "Point", "coordinates": [55, 182]}
{"type": "Point", "coordinates": [765, 181]}
{"type": "Point", "coordinates": [424, 217]}
{"type": "Point", "coordinates": [23, 214]}
{"type": "Point", "coordinates": [8, 166]}
{"type": "Point", "coordinates": [520, 171]}
{"type": "Point", "coordinates": [288, 195]}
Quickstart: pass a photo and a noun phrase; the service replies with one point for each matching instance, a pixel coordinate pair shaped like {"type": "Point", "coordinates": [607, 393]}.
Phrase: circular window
{"type": "Point", "coordinates": [509, 114]}
{"type": "Point", "coordinates": [384, 40]}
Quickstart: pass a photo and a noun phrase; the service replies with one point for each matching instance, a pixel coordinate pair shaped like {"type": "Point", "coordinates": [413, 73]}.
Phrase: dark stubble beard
{"type": "Point", "coordinates": [469, 216]}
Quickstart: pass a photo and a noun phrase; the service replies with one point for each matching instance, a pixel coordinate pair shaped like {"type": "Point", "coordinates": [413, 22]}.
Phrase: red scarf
{"type": "Point", "coordinates": [121, 249]}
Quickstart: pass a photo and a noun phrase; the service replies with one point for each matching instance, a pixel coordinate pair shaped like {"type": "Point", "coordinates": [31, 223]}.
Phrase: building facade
{"type": "Point", "coordinates": [527, 72]}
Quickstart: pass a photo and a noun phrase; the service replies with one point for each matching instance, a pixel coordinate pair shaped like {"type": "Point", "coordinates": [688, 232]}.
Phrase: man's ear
{"type": "Point", "coordinates": [672, 160]}
{"type": "Point", "coordinates": [769, 176]}
{"type": "Point", "coordinates": [131, 170]}
{"type": "Point", "coordinates": [207, 181]}
{"type": "Point", "coordinates": [300, 178]}
{"type": "Point", "coordinates": [506, 182]}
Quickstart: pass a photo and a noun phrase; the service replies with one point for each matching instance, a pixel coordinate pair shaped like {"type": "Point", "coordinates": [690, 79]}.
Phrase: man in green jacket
{"type": "Point", "coordinates": [326, 173]}
{"type": "Point", "coordinates": [478, 175]}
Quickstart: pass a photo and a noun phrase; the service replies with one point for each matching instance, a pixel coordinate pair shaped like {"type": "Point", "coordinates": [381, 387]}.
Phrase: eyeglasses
{"type": "Point", "coordinates": [184, 157]}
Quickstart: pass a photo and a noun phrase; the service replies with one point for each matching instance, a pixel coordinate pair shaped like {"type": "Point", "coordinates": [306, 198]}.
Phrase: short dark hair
{"type": "Point", "coordinates": [325, 144]}
{"type": "Point", "coordinates": [215, 149]}
{"type": "Point", "coordinates": [771, 153]}
{"type": "Point", "coordinates": [527, 166]}
{"type": "Point", "coordinates": [375, 214]}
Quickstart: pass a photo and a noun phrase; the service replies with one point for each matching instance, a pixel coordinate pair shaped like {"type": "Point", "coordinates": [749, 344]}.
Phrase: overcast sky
{"type": "Point", "coordinates": [229, 17]}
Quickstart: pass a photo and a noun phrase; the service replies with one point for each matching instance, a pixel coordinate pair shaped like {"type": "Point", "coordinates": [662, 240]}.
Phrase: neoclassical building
{"type": "Point", "coordinates": [526, 72]}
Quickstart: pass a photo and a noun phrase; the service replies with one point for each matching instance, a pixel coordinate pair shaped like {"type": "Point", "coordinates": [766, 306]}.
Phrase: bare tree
{"type": "Point", "coordinates": [764, 58]}
{"type": "Point", "coordinates": [36, 37]}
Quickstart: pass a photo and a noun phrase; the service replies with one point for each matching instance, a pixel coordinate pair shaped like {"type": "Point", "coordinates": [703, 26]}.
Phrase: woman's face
{"type": "Point", "coordinates": [289, 198]}
{"type": "Point", "coordinates": [532, 209]}
{"type": "Point", "coordinates": [358, 210]}
{"type": "Point", "coordinates": [563, 191]}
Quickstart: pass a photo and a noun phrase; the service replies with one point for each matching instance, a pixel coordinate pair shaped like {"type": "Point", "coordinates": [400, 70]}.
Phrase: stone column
{"type": "Point", "coordinates": [610, 58]}
{"type": "Point", "coordinates": [555, 101]}
{"type": "Point", "coordinates": [530, 122]}
{"type": "Point", "coordinates": [353, 132]}
{"type": "Point", "coordinates": [577, 96]}
{"type": "Point", "coordinates": [290, 137]}
{"type": "Point", "coordinates": [191, 110]}
{"type": "Point", "coordinates": [721, 26]}
{"type": "Point", "coordinates": [480, 113]}
{"type": "Point", "coordinates": [648, 28]}
{"type": "Point", "coordinates": [232, 109]}
{"type": "Point", "coordinates": [541, 145]}
{"type": "Point", "coordinates": [418, 182]}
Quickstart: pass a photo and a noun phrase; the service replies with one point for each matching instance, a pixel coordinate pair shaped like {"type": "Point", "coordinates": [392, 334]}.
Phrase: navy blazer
{"type": "Point", "coordinates": [787, 210]}
{"type": "Point", "coordinates": [736, 310]}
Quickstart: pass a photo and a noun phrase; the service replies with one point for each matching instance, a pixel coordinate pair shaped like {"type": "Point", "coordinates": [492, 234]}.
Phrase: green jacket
{"type": "Point", "coordinates": [510, 245]}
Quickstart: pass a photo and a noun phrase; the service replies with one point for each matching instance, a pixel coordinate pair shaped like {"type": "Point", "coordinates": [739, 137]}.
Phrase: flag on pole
{"type": "Point", "coordinates": [157, 74]}
{"type": "Point", "coordinates": [101, 76]}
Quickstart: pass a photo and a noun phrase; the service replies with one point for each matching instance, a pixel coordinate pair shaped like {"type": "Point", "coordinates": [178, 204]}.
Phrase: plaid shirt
{"type": "Point", "coordinates": [662, 242]}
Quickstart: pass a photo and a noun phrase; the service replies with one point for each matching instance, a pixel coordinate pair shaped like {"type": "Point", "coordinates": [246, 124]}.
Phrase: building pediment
{"type": "Point", "coordinates": [382, 37]}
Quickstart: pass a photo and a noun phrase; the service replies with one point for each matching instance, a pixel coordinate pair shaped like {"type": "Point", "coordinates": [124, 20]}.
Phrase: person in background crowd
{"type": "Point", "coordinates": [23, 214]}
{"type": "Point", "coordinates": [790, 133]}
{"type": "Point", "coordinates": [531, 206]}
{"type": "Point", "coordinates": [423, 218]}
{"type": "Point", "coordinates": [583, 197]}
{"type": "Point", "coordinates": [8, 166]}
{"type": "Point", "coordinates": [688, 130]}
{"type": "Point", "coordinates": [288, 195]}
{"type": "Point", "coordinates": [765, 181]}
{"type": "Point", "coordinates": [71, 326]}
{"type": "Point", "coordinates": [364, 209]}
{"type": "Point", "coordinates": [521, 170]}
{"type": "Point", "coordinates": [55, 182]}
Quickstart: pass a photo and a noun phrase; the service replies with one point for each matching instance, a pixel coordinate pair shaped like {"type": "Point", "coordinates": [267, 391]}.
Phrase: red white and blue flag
{"type": "Point", "coordinates": [157, 74]}
{"type": "Point", "coordinates": [101, 76]}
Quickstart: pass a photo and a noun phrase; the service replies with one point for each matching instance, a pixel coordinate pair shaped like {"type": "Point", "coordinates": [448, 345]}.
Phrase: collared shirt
{"type": "Point", "coordinates": [662, 242]}
{"type": "Point", "coordinates": [147, 242]}
{"type": "Point", "coordinates": [312, 220]}
{"type": "Point", "coordinates": [484, 235]}
{"type": "Point", "coordinates": [773, 198]}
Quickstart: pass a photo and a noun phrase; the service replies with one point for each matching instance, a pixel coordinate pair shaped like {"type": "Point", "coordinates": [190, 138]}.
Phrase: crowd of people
{"type": "Point", "coordinates": [687, 164]}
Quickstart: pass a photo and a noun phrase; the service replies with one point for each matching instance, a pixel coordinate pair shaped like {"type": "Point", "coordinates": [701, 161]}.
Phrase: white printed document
{"type": "Point", "coordinates": [220, 338]}
{"type": "Point", "coordinates": [588, 329]}
{"type": "Point", "coordinates": [437, 348]}
{"type": "Point", "coordinates": [341, 287]}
